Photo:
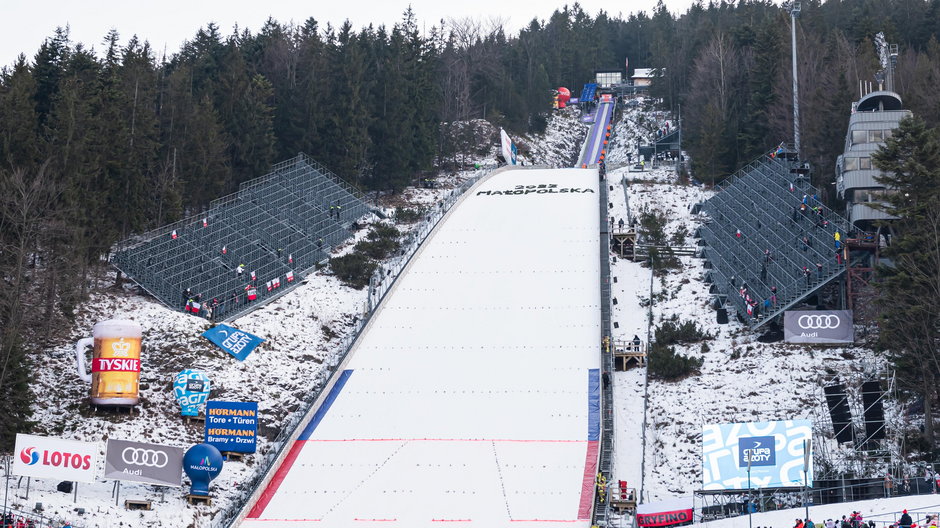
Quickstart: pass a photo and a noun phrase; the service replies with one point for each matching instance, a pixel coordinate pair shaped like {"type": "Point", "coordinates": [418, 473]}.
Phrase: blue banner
{"type": "Point", "coordinates": [232, 426]}
{"type": "Point", "coordinates": [756, 455]}
{"type": "Point", "coordinates": [233, 341]}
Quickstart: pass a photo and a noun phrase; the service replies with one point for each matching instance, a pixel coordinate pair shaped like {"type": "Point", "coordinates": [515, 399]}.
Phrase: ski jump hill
{"type": "Point", "coordinates": [472, 396]}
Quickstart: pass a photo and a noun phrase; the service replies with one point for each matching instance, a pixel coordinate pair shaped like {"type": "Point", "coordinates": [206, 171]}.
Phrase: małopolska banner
{"type": "Point", "coordinates": [232, 426]}
{"type": "Point", "coordinates": [233, 341]}
{"type": "Point", "coordinates": [55, 458]}
{"type": "Point", "coordinates": [509, 150]}
{"type": "Point", "coordinates": [139, 462]}
{"type": "Point", "coordinates": [775, 451]}
{"type": "Point", "coordinates": [818, 326]}
{"type": "Point", "coordinates": [664, 513]}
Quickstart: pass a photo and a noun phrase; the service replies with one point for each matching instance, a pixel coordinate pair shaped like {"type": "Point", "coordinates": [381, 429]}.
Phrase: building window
{"type": "Point", "coordinates": [875, 136]}
{"type": "Point", "coordinates": [851, 164]}
{"type": "Point", "coordinates": [864, 163]}
{"type": "Point", "coordinates": [859, 136]}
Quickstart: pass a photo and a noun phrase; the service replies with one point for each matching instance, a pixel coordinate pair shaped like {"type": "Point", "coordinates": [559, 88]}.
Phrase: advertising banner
{"type": "Point", "coordinates": [818, 326]}
{"type": "Point", "coordinates": [140, 462]}
{"type": "Point", "coordinates": [774, 451]}
{"type": "Point", "coordinates": [55, 458]}
{"type": "Point", "coordinates": [233, 341]}
{"type": "Point", "coordinates": [191, 389]}
{"type": "Point", "coordinates": [232, 426]}
{"type": "Point", "coordinates": [664, 513]}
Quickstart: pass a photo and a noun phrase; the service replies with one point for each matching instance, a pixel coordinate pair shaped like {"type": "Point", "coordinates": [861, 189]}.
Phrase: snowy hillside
{"type": "Point", "coordinates": [741, 379]}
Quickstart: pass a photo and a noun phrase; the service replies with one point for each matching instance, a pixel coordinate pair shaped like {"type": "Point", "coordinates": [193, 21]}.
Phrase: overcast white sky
{"type": "Point", "coordinates": [167, 23]}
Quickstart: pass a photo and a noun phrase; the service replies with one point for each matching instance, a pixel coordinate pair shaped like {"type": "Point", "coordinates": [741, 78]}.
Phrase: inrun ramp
{"type": "Point", "coordinates": [594, 144]}
{"type": "Point", "coordinates": [472, 396]}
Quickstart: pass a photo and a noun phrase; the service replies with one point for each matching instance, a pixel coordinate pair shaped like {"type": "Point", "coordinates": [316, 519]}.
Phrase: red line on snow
{"type": "Point", "coordinates": [272, 486]}
{"type": "Point", "coordinates": [547, 520]}
{"type": "Point", "coordinates": [375, 520]}
{"type": "Point", "coordinates": [447, 440]}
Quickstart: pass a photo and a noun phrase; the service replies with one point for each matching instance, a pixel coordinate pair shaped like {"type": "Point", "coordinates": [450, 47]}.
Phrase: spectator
{"type": "Point", "coordinates": [905, 521]}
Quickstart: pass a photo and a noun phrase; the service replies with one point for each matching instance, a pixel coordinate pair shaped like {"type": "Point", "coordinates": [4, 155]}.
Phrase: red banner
{"type": "Point", "coordinates": [115, 365]}
{"type": "Point", "coordinates": [664, 518]}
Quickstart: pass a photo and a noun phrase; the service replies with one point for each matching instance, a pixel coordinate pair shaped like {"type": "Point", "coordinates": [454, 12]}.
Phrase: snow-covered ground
{"type": "Point", "coordinates": [741, 379]}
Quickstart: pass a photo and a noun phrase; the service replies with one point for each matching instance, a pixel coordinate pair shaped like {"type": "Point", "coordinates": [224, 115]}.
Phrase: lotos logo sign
{"type": "Point", "coordinates": [29, 456]}
{"type": "Point", "coordinates": [45, 457]}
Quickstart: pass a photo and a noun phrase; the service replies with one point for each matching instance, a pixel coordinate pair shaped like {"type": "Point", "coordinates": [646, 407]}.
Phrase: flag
{"type": "Point", "coordinates": [236, 342]}
{"type": "Point", "coordinates": [189, 305]}
{"type": "Point", "coordinates": [173, 235]}
{"type": "Point", "coordinates": [196, 307]}
{"type": "Point", "coordinates": [224, 250]}
{"type": "Point", "coordinates": [205, 222]}
{"type": "Point", "coordinates": [254, 276]}
{"type": "Point", "coordinates": [269, 285]}
{"type": "Point", "coordinates": [290, 276]}
{"type": "Point", "coordinates": [791, 187]}
{"type": "Point", "coordinates": [277, 282]}
{"type": "Point", "coordinates": [290, 258]}
{"type": "Point", "coordinates": [252, 294]}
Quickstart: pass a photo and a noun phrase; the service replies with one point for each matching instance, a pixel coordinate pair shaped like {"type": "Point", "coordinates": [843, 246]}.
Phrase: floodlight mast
{"type": "Point", "coordinates": [794, 8]}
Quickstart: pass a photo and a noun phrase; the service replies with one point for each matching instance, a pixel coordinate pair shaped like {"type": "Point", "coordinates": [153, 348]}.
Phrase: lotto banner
{"type": "Point", "coordinates": [55, 458]}
{"type": "Point", "coordinates": [774, 451]}
{"type": "Point", "coordinates": [233, 341]}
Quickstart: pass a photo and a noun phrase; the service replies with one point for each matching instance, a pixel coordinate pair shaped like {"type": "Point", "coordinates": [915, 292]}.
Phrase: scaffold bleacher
{"type": "Point", "coordinates": [248, 247]}
{"type": "Point", "coordinates": [766, 231]}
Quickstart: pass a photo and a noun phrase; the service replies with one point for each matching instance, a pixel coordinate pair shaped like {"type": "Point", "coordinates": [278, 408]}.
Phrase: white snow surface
{"type": "Point", "coordinates": [468, 395]}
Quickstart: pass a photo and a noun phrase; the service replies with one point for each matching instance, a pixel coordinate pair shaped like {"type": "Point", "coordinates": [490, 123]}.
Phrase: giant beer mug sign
{"type": "Point", "coordinates": [115, 367]}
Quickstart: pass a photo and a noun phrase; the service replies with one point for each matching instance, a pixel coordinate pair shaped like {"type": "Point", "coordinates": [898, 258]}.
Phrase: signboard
{"type": "Point", "coordinates": [818, 326]}
{"type": "Point", "coordinates": [55, 458]}
{"type": "Point", "coordinates": [236, 342]}
{"type": "Point", "coordinates": [774, 450]}
{"type": "Point", "coordinates": [139, 462]}
{"type": "Point", "coordinates": [664, 513]}
{"type": "Point", "coordinates": [232, 426]}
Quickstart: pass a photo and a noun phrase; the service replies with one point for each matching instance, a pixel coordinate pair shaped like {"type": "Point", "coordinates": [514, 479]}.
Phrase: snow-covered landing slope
{"type": "Point", "coordinates": [469, 396]}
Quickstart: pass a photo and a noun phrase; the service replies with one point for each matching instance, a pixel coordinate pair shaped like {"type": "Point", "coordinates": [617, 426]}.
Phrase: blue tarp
{"type": "Point", "coordinates": [594, 405]}
{"type": "Point", "coordinates": [325, 407]}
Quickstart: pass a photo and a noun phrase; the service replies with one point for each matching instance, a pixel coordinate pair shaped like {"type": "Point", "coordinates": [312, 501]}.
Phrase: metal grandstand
{"type": "Point", "coordinates": [782, 243]}
{"type": "Point", "coordinates": [276, 228]}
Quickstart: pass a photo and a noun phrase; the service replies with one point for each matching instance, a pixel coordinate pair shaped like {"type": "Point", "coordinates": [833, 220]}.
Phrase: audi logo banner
{"type": "Point", "coordinates": [139, 462]}
{"type": "Point", "coordinates": [819, 326]}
